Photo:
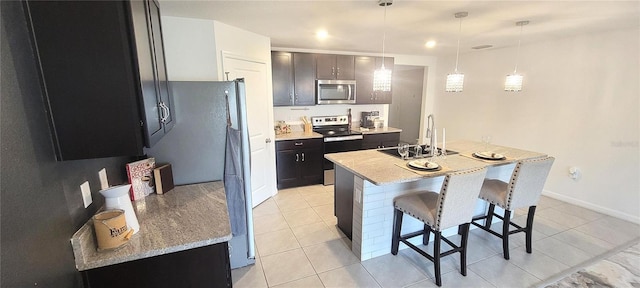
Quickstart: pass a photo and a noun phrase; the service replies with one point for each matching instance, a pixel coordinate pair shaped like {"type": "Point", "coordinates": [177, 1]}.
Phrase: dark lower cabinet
{"type": "Point", "coordinates": [206, 266]}
{"type": "Point", "coordinates": [383, 140]}
{"type": "Point", "coordinates": [299, 162]}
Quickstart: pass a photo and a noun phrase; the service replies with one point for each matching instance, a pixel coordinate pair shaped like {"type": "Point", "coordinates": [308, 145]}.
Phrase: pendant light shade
{"type": "Point", "coordinates": [513, 82]}
{"type": "Point", "coordinates": [382, 79]}
{"type": "Point", "coordinates": [455, 80]}
{"type": "Point", "coordinates": [382, 76]}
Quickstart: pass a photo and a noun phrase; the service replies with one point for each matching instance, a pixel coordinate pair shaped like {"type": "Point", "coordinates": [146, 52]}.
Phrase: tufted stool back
{"type": "Point", "coordinates": [524, 187]}
{"type": "Point", "coordinates": [458, 197]}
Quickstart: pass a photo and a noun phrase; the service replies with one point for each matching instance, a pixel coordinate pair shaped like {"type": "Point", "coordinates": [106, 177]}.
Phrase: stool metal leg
{"type": "Point", "coordinates": [487, 222]}
{"type": "Point", "coordinates": [395, 239]}
{"type": "Point", "coordinates": [463, 244]}
{"type": "Point", "coordinates": [427, 235]}
{"type": "Point", "coordinates": [436, 257]}
{"type": "Point", "coordinates": [505, 233]}
{"type": "Point", "coordinates": [529, 229]}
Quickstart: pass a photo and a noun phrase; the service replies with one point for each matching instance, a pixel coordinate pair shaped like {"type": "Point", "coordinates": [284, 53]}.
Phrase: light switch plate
{"type": "Point", "coordinates": [104, 182]}
{"type": "Point", "coordinates": [86, 194]}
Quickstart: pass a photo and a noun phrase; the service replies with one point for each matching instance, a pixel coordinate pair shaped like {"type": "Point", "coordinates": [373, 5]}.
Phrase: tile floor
{"type": "Point", "coordinates": [299, 245]}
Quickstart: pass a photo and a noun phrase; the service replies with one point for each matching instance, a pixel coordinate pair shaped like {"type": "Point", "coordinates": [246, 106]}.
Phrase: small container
{"type": "Point", "coordinates": [111, 229]}
{"type": "Point", "coordinates": [307, 128]}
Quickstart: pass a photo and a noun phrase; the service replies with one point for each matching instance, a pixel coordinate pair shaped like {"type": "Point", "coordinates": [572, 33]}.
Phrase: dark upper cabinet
{"type": "Point", "coordinates": [103, 75]}
{"type": "Point", "coordinates": [364, 68]}
{"type": "Point", "coordinates": [304, 76]}
{"type": "Point", "coordinates": [338, 67]}
{"type": "Point", "coordinates": [293, 78]}
{"type": "Point", "coordinates": [282, 73]}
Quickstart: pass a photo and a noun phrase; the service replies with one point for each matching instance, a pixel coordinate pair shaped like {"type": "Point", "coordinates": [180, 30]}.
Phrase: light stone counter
{"type": "Point", "coordinates": [187, 217]}
{"type": "Point", "coordinates": [376, 130]}
{"type": "Point", "coordinates": [381, 169]}
{"type": "Point", "coordinates": [367, 181]}
{"type": "Point", "coordinates": [296, 135]}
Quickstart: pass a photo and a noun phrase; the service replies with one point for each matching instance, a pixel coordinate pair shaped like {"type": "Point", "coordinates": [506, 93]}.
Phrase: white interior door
{"type": "Point", "coordinates": [263, 165]}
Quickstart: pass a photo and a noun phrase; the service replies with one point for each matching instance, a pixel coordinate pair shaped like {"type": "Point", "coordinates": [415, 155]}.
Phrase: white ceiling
{"type": "Point", "coordinates": [357, 26]}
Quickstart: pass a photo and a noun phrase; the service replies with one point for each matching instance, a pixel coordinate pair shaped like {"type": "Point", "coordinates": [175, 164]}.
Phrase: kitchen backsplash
{"type": "Point", "coordinates": [293, 114]}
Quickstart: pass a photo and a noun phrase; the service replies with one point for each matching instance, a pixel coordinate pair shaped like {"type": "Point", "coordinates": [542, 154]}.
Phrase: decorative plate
{"type": "Point", "coordinates": [489, 155]}
{"type": "Point", "coordinates": [424, 165]}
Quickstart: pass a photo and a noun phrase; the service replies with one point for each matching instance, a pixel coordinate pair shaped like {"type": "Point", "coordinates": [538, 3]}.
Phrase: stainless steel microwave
{"type": "Point", "coordinates": [335, 91]}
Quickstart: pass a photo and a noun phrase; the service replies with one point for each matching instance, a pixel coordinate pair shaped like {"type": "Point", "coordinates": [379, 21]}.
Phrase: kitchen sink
{"type": "Point", "coordinates": [425, 152]}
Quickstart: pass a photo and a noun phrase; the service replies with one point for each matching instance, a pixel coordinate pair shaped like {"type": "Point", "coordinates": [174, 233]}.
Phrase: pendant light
{"type": "Point", "coordinates": [514, 81]}
{"type": "Point", "coordinates": [382, 76]}
{"type": "Point", "coordinates": [455, 80]}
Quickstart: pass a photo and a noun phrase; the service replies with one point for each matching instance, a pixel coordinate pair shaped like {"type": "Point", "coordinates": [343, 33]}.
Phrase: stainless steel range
{"type": "Point", "coordinates": [338, 137]}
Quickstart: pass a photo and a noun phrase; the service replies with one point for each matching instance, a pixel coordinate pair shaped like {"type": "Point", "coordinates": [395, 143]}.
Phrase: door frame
{"type": "Point", "coordinates": [271, 183]}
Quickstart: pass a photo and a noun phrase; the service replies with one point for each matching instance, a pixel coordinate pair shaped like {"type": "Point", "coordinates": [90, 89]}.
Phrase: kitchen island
{"type": "Point", "coordinates": [367, 182]}
{"type": "Point", "coordinates": [182, 242]}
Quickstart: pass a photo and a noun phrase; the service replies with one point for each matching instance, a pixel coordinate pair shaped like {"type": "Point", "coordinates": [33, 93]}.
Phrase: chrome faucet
{"type": "Point", "coordinates": [431, 126]}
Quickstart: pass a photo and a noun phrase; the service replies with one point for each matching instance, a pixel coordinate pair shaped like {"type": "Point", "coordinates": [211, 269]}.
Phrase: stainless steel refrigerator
{"type": "Point", "coordinates": [202, 147]}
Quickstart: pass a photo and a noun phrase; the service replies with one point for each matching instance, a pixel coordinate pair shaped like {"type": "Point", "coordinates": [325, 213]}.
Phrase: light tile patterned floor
{"type": "Point", "coordinates": [299, 245]}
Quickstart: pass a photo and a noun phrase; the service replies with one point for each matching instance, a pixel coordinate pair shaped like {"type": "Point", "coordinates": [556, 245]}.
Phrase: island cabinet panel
{"type": "Point", "coordinates": [383, 140]}
{"type": "Point", "coordinates": [364, 68]}
{"type": "Point", "coordinates": [104, 76]}
{"type": "Point", "coordinates": [335, 67]}
{"type": "Point", "coordinates": [293, 78]}
{"type": "Point", "coordinates": [299, 162]}
{"type": "Point", "coordinates": [343, 200]}
{"type": "Point", "coordinates": [206, 266]}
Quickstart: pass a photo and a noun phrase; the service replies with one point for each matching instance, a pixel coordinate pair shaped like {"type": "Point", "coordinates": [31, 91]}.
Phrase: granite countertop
{"type": "Point", "coordinates": [381, 169]}
{"type": "Point", "coordinates": [376, 130]}
{"type": "Point", "coordinates": [187, 217]}
{"type": "Point", "coordinates": [296, 135]}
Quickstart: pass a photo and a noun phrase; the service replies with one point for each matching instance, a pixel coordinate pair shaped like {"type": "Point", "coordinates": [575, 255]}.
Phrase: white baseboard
{"type": "Point", "coordinates": [597, 208]}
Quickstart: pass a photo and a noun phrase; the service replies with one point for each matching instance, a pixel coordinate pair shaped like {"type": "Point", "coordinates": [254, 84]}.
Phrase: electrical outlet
{"type": "Point", "coordinates": [104, 183]}
{"type": "Point", "coordinates": [86, 194]}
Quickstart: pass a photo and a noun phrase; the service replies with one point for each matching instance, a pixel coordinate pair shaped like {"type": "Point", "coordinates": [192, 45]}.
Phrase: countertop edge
{"type": "Point", "coordinates": [169, 224]}
{"type": "Point", "coordinates": [378, 130]}
{"type": "Point", "coordinates": [152, 253]}
{"type": "Point", "coordinates": [298, 135]}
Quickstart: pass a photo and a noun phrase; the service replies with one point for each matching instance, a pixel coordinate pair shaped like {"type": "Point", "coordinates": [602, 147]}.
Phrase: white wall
{"type": "Point", "coordinates": [249, 45]}
{"type": "Point", "coordinates": [189, 48]}
{"type": "Point", "coordinates": [194, 52]}
{"type": "Point", "coordinates": [580, 104]}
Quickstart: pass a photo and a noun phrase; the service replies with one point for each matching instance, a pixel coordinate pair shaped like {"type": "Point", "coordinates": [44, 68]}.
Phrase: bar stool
{"type": "Point", "coordinates": [523, 190]}
{"type": "Point", "coordinates": [453, 206]}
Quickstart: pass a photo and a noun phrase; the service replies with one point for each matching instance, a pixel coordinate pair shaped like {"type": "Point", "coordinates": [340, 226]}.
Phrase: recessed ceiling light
{"type": "Point", "coordinates": [322, 34]}
{"type": "Point", "coordinates": [430, 44]}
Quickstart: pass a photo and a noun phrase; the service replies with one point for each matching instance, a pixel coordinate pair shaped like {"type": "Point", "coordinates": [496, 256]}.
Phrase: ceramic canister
{"type": "Point", "coordinates": [111, 229]}
{"type": "Point", "coordinates": [117, 197]}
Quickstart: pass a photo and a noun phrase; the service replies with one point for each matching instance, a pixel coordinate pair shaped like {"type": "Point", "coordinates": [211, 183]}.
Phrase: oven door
{"type": "Point", "coordinates": [335, 145]}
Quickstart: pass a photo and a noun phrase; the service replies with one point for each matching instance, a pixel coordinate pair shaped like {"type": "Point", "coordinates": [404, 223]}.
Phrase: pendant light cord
{"type": "Point", "coordinates": [518, 51]}
{"type": "Point", "coordinates": [384, 32]}
{"type": "Point", "coordinates": [458, 49]}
